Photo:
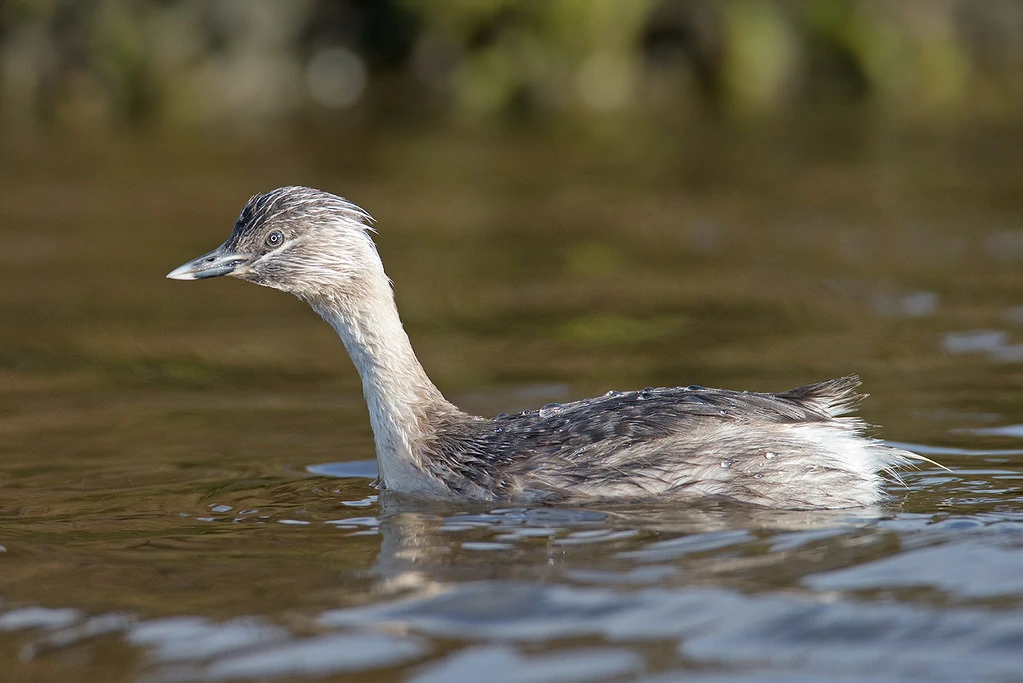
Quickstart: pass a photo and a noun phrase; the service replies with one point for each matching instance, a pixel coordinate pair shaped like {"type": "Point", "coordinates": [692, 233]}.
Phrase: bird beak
{"type": "Point", "coordinates": [220, 261]}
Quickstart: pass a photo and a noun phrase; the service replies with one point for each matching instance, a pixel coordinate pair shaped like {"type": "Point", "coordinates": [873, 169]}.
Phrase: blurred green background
{"type": "Point", "coordinates": [256, 64]}
{"type": "Point", "coordinates": [612, 181]}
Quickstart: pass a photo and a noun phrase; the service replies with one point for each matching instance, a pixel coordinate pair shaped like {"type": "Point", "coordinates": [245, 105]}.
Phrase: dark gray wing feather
{"type": "Point", "coordinates": [623, 438]}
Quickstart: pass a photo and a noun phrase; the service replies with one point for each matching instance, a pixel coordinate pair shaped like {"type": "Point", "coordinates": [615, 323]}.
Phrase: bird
{"type": "Point", "coordinates": [795, 449]}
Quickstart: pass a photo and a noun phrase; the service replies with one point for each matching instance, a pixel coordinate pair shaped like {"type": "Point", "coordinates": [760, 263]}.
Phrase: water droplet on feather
{"type": "Point", "coordinates": [551, 409]}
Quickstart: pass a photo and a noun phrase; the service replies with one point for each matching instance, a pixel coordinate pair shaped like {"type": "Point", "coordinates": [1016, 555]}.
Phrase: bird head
{"type": "Point", "coordinates": [307, 242]}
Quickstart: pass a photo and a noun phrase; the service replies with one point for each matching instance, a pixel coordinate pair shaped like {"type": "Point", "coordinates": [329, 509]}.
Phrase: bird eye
{"type": "Point", "coordinates": [275, 238]}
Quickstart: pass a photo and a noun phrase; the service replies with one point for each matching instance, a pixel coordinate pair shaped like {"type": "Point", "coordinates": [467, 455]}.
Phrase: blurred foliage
{"type": "Point", "coordinates": [88, 63]}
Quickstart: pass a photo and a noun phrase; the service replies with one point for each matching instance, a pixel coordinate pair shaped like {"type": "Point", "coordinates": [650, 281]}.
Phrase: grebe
{"type": "Point", "coordinates": [783, 450]}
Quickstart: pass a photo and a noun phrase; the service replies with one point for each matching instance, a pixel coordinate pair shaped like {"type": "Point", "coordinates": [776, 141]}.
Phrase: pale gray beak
{"type": "Point", "coordinates": [220, 261]}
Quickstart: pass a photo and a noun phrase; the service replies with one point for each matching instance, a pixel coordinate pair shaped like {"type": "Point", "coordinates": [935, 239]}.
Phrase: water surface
{"type": "Point", "coordinates": [186, 470]}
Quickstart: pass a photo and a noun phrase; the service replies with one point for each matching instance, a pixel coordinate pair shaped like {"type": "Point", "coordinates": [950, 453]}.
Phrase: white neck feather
{"type": "Point", "coordinates": [401, 398]}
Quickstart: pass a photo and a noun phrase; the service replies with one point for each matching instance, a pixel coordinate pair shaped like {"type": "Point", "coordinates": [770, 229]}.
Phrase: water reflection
{"type": "Point", "coordinates": [793, 592]}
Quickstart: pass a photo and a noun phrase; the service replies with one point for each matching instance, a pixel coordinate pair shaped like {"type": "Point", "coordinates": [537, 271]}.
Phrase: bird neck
{"type": "Point", "coordinates": [404, 404]}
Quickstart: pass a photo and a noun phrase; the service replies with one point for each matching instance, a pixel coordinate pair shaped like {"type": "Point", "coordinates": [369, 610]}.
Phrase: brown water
{"type": "Point", "coordinates": [185, 472]}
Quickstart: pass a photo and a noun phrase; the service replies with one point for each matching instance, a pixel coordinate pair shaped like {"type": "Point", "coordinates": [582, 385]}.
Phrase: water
{"type": "Point", "coordinates": [185, 480]}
